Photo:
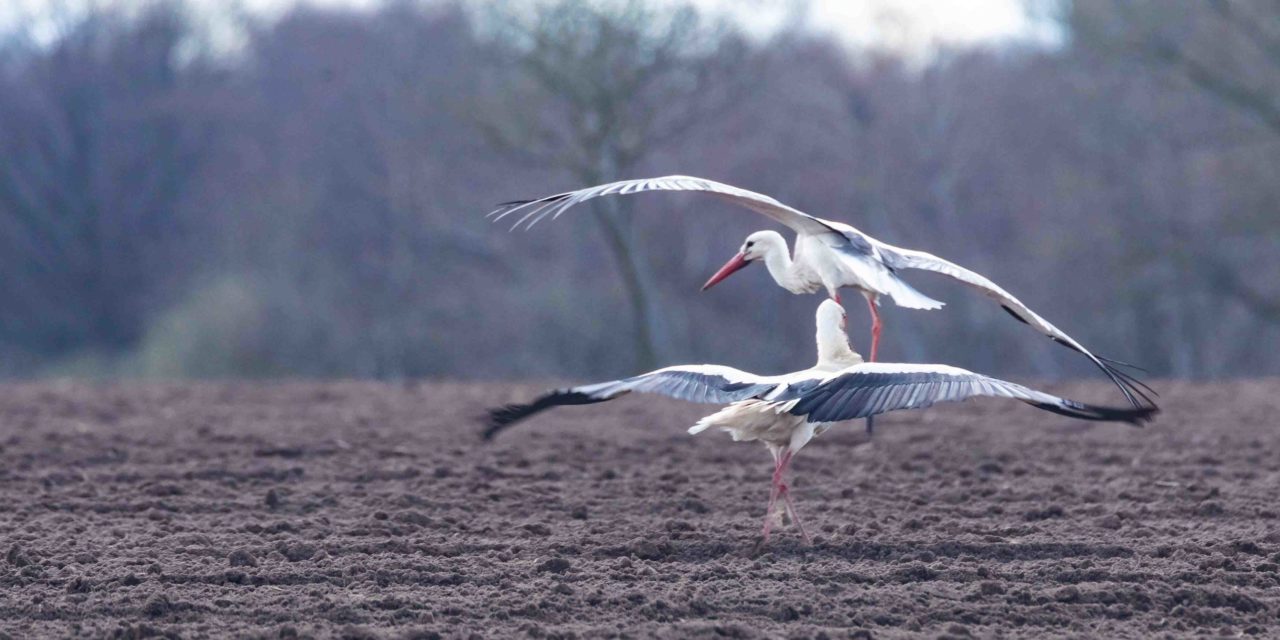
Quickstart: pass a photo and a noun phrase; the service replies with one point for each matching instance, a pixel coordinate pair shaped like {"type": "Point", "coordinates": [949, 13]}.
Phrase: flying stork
{"type": "Point", "coordinates": [828, 256]}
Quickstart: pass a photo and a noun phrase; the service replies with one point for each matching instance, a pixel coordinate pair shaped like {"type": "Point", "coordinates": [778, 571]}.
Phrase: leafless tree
{"type": "Point", "coordinates": [100, 140]}
{"type": "Point", "coordinates": [1228, 52]}
{"type": "Point", "coordinates": [598, 87]}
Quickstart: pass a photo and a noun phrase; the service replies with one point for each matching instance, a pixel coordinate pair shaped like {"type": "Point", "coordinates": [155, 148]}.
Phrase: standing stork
{"type": "Point", "coordinates": [828, 256]}
{"type": "Point", "coordinates": [786, 411]}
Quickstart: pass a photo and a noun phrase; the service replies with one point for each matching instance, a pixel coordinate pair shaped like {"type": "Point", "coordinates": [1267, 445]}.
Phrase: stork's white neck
{"type": "Point", "coordinates": [834, 351]}
{"type": "Point", "coordinates": [836, 355]}
{"type": "Point", "coordinates": [783, 269]}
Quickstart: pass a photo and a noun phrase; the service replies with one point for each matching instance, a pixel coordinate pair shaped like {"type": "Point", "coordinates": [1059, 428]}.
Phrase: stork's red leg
{"type": "Point", "coordinates": [768, 514]}
{"type": "Point", "coordinates": [786, 495]}
{"type": "Point", "coordinates": [780, 488]}
{"type": "Point", "coordinates": [795, 517]}
{"type": "Point", "coordinates": [875, 327]}
{"type": "Point", "coordinates": [774, 491]}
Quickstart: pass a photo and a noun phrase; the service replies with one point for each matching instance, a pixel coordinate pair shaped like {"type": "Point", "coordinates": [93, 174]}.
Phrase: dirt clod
{"type": "Point", "coordinates": [17, 557]}
{"type": "Point", "coordinates": [157, 606]}
{"type": "Point", "coordinates": [554, 565]}
{"type": "Point", "coordinates": [241, 558]}
{"type": "Point", "coordinates": [296, 551]}
{"type": "Point", "coordinates": [537, 529]}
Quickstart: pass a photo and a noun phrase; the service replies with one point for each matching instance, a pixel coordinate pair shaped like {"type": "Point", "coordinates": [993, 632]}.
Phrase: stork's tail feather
{"type": "Point", "coordinates": [1070, 408]}
{"type": "Point", "coordinates": [905, 295]}
{"type": "Point", "coordinates": [713, 420]}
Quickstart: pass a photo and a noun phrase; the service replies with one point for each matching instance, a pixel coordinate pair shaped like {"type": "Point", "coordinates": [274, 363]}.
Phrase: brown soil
{"type": "Point", "coordinates": [371, 510]}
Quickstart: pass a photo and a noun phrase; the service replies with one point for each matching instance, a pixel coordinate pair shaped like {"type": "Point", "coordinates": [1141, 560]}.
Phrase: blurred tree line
{"type": "Point", "coordinates": [311, 203]}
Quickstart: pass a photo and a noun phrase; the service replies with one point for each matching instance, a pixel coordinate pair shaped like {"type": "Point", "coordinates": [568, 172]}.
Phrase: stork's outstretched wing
{"type": "Point", "coordinates": [711, 384]}
{"type": "Point", "coordinates": [873, 388]}
{"type": "Point", "coordinates": [897, 258]}
{"type": "Point", "coordinates": [532, 211]}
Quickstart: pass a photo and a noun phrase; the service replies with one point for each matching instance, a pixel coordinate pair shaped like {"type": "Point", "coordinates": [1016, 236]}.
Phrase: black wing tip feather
{"type": "Point", "coordinates": [500, 418]}
{"type": "Point", "coordinates": [504, 208]}
{"type": "Point", "coordinates": [1122, 363]}
{"type": "Point", "coordinates": [1137, 392]}
{"type": "Point", "coordinates": [515, 203]}
{"type": "Point", "coordinates": [1137, 416]}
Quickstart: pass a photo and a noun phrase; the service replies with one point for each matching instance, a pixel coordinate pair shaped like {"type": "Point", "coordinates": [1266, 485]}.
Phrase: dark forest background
{"type": "Point", "coordinates": [311, 202]}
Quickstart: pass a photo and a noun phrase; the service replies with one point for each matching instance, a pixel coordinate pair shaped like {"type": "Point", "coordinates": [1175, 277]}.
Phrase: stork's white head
{"type": "Point", "coordinates": [833, 344]}
{"type": "Point", "coordinates": [758, 246]}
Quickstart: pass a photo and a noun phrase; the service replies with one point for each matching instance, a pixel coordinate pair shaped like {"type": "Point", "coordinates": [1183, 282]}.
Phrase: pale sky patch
{"type": "Point", "coordinates": [915, 29]}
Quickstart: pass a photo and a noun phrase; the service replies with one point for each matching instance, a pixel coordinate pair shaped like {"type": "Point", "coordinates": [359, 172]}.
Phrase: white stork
{"type": "Point", "coordinates": [786, 411]}
{"type": "Point", "coordinates": [828, 255]}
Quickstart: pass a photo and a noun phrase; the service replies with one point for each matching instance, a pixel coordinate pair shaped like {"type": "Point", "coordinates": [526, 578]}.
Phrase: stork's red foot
{"type": "Point", "coordinates": [795, 517]}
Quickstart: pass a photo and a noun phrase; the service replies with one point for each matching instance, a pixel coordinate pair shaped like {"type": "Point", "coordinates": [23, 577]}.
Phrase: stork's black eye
{"type": "Point", "coordinates": [750, 243]}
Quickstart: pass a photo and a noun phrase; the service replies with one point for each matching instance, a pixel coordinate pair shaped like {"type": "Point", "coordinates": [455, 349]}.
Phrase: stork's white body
{"type": "Point", "coordinates": [758, 420]}
{"type": "Point", "coordinates": [819, 262]}
{"type": "Point", "coordinates": [766, 420]}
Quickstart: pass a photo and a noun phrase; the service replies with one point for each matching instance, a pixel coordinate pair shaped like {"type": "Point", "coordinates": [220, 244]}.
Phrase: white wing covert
{"type": "Point", "coordinates": [533, 211]}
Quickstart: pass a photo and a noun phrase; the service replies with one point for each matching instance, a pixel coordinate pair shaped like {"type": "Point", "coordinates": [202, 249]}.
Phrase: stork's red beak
{"type": "Point", "coordinates": [737, 262]}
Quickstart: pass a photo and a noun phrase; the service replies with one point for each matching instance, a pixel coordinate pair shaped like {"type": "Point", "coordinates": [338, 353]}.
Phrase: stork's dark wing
{"type": "Point", "coordinates": [711, 384]}
{"type": "Point", "coordinates": [873, 388]}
